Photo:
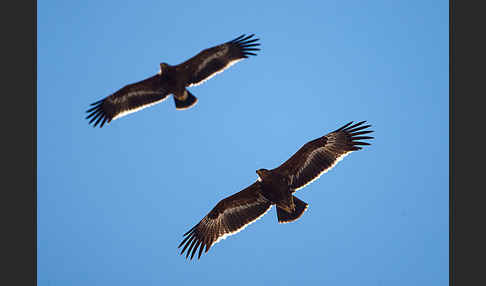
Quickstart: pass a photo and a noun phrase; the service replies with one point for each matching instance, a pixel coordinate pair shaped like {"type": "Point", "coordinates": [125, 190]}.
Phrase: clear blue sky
{"type": "Point", "coordinates": [113, 203]}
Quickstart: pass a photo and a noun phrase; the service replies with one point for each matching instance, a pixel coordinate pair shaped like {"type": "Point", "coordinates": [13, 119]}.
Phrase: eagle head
{"type": "Point", "coordinates": [163, 67]}
{"type": "Point", "coordinates": [262, 174]}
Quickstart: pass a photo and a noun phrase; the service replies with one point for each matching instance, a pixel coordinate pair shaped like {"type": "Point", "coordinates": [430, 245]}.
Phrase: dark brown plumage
{"type": "Point", "coordinates": [275, 187]}
{"type": "Point", "coordinates": [172, 80]}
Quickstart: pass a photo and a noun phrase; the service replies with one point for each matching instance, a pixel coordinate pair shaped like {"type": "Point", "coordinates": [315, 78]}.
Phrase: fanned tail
{"type": "Point", "coordinates": [285, 217]}
{"type": "Point", "coordinates": [189, 101]}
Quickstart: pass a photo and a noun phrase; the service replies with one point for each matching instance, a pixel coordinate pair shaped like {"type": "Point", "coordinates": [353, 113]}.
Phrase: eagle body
{"type": "Point", "coordinates": [175, 80]}
{"type": "Point", "coordinates": [172, 79]}
{"type": "Point", "coordinates": [275, 187]}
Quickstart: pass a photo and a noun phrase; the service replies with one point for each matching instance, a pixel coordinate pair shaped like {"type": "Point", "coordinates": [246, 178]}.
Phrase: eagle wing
{"type": "Point", "coordinates": [212, 61]}
{"type": "Point", "coordinates": [322, 154]}
{"type": "Point", "coordinates": [228, 217]}
{"type": "Point", "coordinates": [128, 99]}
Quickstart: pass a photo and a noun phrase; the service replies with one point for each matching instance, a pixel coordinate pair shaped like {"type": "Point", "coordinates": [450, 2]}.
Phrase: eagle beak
{"type": "Point", "coordinates": [260, 174]}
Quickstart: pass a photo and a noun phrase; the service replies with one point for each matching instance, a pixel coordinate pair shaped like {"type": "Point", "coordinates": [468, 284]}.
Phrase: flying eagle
{"type": "Point", "coordinates": [275, 187]}
{"type": "Point", "coordinates": [173, 80]}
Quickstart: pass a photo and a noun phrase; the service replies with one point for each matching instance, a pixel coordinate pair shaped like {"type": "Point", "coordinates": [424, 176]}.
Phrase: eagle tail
{"type": "Point", "coordinates": [285, 217]}
{"type": "Point", "coordinates": [189, 101]}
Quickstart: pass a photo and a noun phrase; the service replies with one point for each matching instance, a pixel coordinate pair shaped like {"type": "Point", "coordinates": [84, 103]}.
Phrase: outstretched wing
{"type": "Point", "coordinates": [129, 99]}
{"type": "Point", "coordinates": [322, 154]}
{"type": "Point", "coordinates": [214, 60]}
{"type": "Point", "coordinates": [228, 217]}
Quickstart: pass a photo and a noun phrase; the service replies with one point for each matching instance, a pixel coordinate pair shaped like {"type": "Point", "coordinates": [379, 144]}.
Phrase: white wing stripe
{"type": "Point", "coordinates": [325, 170]}
{"type": "Point", "coordinates": [243, 226]}
{"type": "Point", "coordinates": [128, 111]}
{"type": "Point", "coordinates": [213, 74]}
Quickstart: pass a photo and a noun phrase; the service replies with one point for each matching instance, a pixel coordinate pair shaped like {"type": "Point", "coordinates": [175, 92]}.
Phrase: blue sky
{"type": "Point", "coordinates": [113, 203]}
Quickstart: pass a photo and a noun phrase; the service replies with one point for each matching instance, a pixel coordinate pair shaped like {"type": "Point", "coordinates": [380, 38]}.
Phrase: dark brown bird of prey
{"type": "Point", "coordinates": [275, 187]}
{"type": "Point", "coordinates": [173, 80]}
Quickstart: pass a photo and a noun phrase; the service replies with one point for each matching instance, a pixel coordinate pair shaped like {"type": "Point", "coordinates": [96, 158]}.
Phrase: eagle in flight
{"type": "Point", "coordinates": [173, 80]}
{"type": "Point", "coordinates": [275, 187]}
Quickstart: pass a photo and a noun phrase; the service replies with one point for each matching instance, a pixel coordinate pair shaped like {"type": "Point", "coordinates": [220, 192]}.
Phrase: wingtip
{"type": "Point", "coordinates": [354, 130]}
{"type": "Point", "coordinates": [200, 252]}
{"type": "Point", "coordinates": [357, 128]}
{"type": "Point", "coordinates": [357, 124]}
{"type": "Point", "coordinates": [361, 143]}
{"type": "Point", "coordinates": [96, 114]}
{"type": "Point", "coordinates": [238, 38]}
{"type": "Point", "coordinates": [247, 37]}
{"type": "Point", "coordinates": [351, 128]}
{"type": "Point", "coordinates": [344, 126]}
{"type": "Point", "coordinates": [244, 39]}
{"type": "Point", "coordinates": [97, 102]}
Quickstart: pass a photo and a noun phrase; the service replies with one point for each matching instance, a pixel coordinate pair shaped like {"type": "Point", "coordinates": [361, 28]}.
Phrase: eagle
{"type": "Point", "coordinates": [173, 80]}
{"type": "Point", "coordinates": [275, 187]}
